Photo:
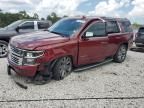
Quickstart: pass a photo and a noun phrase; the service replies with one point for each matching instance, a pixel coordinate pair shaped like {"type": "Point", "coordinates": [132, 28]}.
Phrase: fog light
{"type": "Point", "coordinates": [29, 61]}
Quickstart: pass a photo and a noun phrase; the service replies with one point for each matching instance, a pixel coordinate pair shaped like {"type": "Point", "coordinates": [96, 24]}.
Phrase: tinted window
{"type": "Point", "coordinates": [127, 26]}
{"type": "Point", "coordinates": [43, 25]}
{"type": "Point", "coordinates": [112, 27]}
{"type": "Point", "coordinates": [98, 29]}
{"type": "Point", "coordinates": [141, 30]}
{"type": "Point", "coordinates": [66, 27]}
{"type": "Point", "coordinates": [27, 25]}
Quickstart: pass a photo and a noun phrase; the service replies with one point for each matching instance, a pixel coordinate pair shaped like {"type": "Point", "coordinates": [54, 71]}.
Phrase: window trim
{"type": "Point", "coordinates": [26, 22]}
{"type": "Point", "coordinates": [44, 22]}
{"type": "Point", "coordinates": [92, 23]}
{"type": "Point", "coordinates": [129, 27]}
{"type": "Point", "coordinates": [118, 26]}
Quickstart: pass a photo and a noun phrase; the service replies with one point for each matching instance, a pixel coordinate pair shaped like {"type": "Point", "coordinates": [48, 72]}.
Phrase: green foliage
{"type": "Point", "coordinates": [136, 25]}
{"type": "Point", "coordinates": [35, 16]}
{"type": "Point", "coordinates": [53, 17]}
{"type": "Point", "coordinates": [7, 17]}
{"type": "Point", "coordinates": [42, 18]}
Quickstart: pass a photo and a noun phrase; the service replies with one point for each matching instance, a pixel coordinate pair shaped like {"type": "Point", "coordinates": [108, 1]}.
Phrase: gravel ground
{"type": "Point", "coordinates": [108, 86]}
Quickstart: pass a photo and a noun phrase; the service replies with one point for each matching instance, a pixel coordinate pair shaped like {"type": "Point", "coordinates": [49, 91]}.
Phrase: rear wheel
{"type": "Point", "coordinates": [120, 54]}
{"type": "Point", "coordinates": [3, 49]}
{"type": "Point", "coordinates": [62, 68]}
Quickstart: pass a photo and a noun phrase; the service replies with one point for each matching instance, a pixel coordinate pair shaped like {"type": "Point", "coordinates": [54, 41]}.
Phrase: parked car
{"type": "Point", "coordinates": [17, 28]}
{"type": "Point", "coordinates": [139, 41]}
{"type": "Point", "coordinates": [70, 43]}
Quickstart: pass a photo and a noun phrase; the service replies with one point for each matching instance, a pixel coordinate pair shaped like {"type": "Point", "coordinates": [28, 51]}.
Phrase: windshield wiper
{"type": "Point", "coordinates": [64, 35]}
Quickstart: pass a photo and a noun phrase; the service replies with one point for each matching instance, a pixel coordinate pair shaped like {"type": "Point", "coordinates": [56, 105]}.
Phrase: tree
{"type": "Point", "coordinates": [35, 16]}
{"type": "Point", "coordinates": [23, 15]}
{"type": "Point", "coordinates": [53, 17]}
{"type": "Point", "coordinates": [43, 19]}
{"type": "Point", "coordinates": [135, 25]}
{"type": "Point", "coordinates": [65, 16]}
{"type": "Point", "coordinates": [7, 18]}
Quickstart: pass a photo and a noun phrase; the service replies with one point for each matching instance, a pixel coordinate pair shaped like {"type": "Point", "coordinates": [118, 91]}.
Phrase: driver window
{"type": "Point", "coordinates": [27, 25]}
{"type": "Point", "coordinates": [96, 30]}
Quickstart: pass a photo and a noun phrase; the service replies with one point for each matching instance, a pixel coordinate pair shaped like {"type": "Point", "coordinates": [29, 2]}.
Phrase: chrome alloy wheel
{"type": "Point", "coordinates": [3, 50]}
{"type": "Point", "coordinates": [122, 53]}
{"type": "Point", "coordinates": [65, 66]}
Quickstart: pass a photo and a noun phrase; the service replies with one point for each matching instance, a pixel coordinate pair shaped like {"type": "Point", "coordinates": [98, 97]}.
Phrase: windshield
{"type": "Point", "coordinates": [14, 24]}
{"type": "Point", "coordinates": [66, 27]}
{"type": "Point", "coordinates": [141, 30]}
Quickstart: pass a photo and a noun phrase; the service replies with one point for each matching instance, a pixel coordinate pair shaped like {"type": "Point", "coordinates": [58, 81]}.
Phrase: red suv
{"type": "Point", "coordinates": [69, 43]}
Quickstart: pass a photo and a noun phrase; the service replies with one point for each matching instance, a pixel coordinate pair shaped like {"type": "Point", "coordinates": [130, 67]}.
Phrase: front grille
{"type": "Point", "coordinates": [15, 59]}
{"type": "Point", "coordinates": [16, 51]}
{"type": "Point", "coordinates": [15, 55]}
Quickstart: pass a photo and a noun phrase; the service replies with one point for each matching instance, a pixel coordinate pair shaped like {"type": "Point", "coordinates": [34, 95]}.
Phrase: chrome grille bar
{"type": "Point", "coordinates": [15, 55]}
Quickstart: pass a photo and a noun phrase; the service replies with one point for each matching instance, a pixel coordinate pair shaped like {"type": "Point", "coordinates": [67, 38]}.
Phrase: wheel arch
{"type": "Point", "coordinates": [125, 43]}
{"type": "Point", "coordinates": [3, 40]}
{"type": "Point", "coordinates": [52, 62]}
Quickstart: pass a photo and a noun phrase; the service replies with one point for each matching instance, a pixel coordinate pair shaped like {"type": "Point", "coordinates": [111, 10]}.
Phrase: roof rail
{"type": "Point", "coordinates": [100, 18]}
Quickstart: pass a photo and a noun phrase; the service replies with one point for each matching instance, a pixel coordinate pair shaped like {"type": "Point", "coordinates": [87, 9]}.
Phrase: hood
{"type": "Point", "coordinates": [3, 31]}
{"type": "Point", "coordinates": [31, 41]}
{"type": "Point", "coordinates": [7, 32]}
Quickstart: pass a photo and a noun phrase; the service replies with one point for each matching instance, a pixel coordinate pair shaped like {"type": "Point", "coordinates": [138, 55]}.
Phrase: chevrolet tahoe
{"type": "Point", "coordinates": [68, 44]}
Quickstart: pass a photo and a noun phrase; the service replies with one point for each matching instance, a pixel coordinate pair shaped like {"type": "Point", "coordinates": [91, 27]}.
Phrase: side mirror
{"type": "Point", "coordinates": [17, 29]}
{"type": "Point", "coordinates": [89, 34]}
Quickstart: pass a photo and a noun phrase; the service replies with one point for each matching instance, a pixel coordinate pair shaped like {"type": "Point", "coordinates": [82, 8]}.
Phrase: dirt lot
{"type": "Point", "coordinates": [109, 86]}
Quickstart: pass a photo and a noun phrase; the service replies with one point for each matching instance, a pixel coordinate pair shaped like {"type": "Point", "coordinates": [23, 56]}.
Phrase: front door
{"type": "Point", "coordinates": [93, 44]}
{"type": "Point", "coordinates": [26, 27]}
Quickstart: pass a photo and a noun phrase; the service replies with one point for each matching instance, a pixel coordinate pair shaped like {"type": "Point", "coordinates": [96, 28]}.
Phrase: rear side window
{"type": "Point", "coordinates": [141, 29]}
{"type": "Point", "coordinates": [112, 27]}
{"type": "Point", "coordinates": [127, 26]}
{"type": "Point", "coordinates": [43, 25]}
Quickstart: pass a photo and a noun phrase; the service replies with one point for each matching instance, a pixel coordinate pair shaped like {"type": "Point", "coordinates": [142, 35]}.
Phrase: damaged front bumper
{"type": "Point", "coordinates": [28, 71]}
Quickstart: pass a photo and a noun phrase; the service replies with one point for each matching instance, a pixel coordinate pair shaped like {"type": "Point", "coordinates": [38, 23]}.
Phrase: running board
{"type": "Point", "coordinates": [92, 66]}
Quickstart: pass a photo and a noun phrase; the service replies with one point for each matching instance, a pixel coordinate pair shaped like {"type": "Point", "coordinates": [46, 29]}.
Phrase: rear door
{"type": "Point", "coordinates": [43, 25]}
{"type": "Point", "coordinates": [93, 44]}
{"type": "Point", "coordinates": [114, 36]}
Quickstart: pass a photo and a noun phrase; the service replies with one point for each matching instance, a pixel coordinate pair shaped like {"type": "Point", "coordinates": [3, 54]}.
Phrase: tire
{"type": "Point", "coordinates": [3, 49]}
{"type": "Point", "coordinates": [62, 68]}
{"type": "Point", "coordinates": [120, 55]}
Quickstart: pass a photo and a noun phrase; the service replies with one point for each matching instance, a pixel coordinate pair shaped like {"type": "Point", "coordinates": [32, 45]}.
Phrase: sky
{"type": "Point", "coordinates": [131, 9]}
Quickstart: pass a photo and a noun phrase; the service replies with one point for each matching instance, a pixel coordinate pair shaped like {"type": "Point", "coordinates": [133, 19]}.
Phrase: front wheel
{"type": "Point", "coordinates": [3, 49]}
{"type": "Point", "coordinates": [62, 68]}
{"type": "Point", "coordinates": [120, 54]}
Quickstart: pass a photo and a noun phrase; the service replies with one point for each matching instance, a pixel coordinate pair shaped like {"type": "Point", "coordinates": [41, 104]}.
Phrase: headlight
{"type": "Point", "coordinates": [31, 56]}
